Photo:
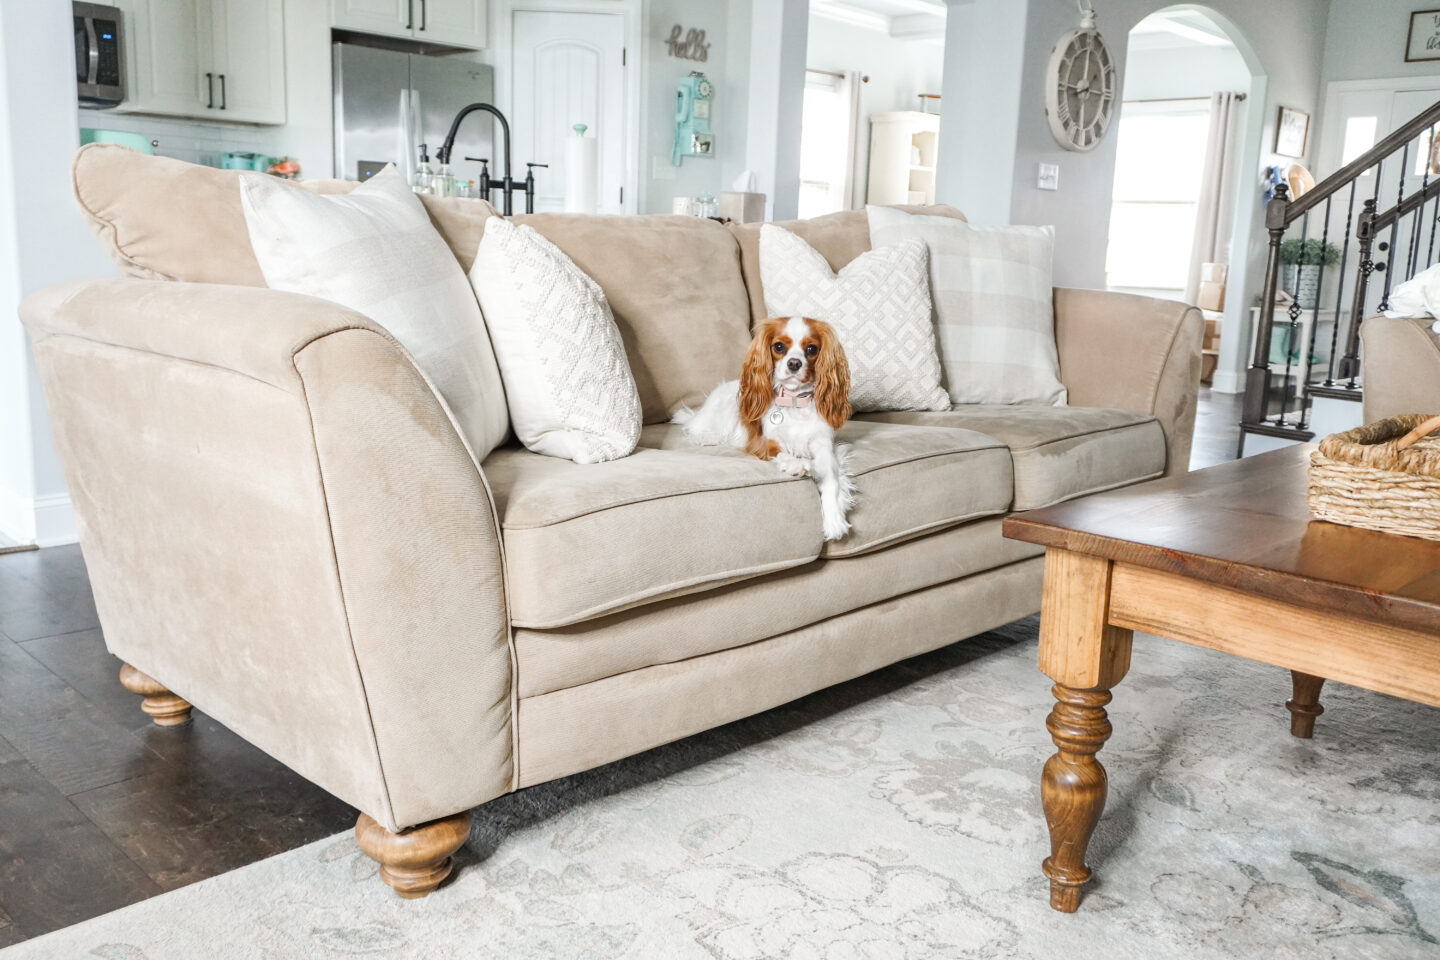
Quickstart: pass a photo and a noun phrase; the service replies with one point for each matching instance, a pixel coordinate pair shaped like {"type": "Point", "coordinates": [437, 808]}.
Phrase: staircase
{"type": "Point", "coordinates": [1305, 376]}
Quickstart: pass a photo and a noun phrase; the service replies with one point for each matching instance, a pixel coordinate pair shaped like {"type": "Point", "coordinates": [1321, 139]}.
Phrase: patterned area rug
{"type": "Point", "coordinates": [897, 816]}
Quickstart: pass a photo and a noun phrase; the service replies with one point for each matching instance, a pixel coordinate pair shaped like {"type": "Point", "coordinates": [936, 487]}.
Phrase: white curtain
{"type": "Point", "coordinates": [854, 190]}
{"type": "Point", "coordinates": [1213, 213]}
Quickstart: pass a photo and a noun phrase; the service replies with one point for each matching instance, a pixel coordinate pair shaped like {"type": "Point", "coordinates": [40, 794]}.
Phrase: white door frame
{"type": "Point", "coordinates": [503, 50]}
{"type": "Point", "coordinates": [1330, 133]}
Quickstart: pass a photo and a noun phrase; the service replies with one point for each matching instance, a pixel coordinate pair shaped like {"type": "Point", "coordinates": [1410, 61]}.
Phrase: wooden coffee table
{"type": "Point", "coordinates": [1225, 558]}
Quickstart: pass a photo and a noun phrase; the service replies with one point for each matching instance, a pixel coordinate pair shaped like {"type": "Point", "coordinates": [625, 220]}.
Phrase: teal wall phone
{"type": "Point", "coordinates": [693, 137]}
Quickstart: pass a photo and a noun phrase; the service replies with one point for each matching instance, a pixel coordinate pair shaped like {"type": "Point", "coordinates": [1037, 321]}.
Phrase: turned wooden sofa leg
{"type": "Point", "coordinates": [160, 704]}
{"type": "Point", "coordinates": [415, 861]}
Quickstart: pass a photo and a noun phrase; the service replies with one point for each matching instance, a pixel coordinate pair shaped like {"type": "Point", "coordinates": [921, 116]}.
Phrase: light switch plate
{"type": "Point", "coordinates": [1049, 178]}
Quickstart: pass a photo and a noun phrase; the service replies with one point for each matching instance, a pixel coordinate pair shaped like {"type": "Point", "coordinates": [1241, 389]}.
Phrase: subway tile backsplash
{"type": "Point", "coordinates": [183, 139]}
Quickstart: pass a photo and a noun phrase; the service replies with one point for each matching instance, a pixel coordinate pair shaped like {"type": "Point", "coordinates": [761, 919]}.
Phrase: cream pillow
{"type": "Point", "coordinates": [374, 250]}
{"type": "Point", "coordinates": [879, 304]}
{"type": "Point", "coordinates": [994, 305]}
{"type": "Point", "coordinates": [569, 384]}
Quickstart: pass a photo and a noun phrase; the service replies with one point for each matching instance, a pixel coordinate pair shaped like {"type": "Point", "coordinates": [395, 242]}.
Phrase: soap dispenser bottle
{"type": "Point", "coordinates": [423, 180]}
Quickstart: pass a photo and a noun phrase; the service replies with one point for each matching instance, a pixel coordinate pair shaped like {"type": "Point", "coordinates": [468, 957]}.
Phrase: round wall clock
{"type": "Point", "coordinates": [1080, 87]}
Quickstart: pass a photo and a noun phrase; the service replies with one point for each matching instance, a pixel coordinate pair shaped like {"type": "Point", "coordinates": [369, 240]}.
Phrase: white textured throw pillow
{"type": "Point", "coordinates": [569, 383]}
{"type": "Point", "coordinates": [994, 305]}
{"type": "Point", "coordinates": [879, 304]}
{"type": "Point", "coordinates": [375, 251]}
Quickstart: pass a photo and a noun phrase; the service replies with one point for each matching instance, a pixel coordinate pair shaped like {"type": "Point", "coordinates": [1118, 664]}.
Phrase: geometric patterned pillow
{"type": "Point", "coordinates": [994, 305]}
{"type": "Point", "coordinates": [879, 305]}
{"type": "Point", "coordinates": [567, 380]}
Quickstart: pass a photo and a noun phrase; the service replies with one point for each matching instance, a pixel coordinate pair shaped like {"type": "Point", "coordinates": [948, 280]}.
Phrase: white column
{"type": "Point", "coordinates": [779, 31]}
{"type": "Point", "coordinates": [980, 107]}
{"type": "Point", "coordinates": [43, 241]}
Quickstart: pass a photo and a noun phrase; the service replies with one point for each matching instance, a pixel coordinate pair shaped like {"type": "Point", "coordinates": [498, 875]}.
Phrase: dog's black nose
{"type": "Point", "coordinates": [794, 364]}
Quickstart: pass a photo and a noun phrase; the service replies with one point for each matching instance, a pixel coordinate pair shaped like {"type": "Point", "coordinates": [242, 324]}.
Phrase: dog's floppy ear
{"type": "Point", "coordinates": [756, 384]}
{"type": "Point", "coordinates": [832, 376]}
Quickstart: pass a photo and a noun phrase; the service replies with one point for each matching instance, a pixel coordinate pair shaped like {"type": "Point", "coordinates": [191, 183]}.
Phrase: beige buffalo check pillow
{"type": "Point", "coordinates": [879, 304]}
{"type": "Point", "coordinates": [994, 305]}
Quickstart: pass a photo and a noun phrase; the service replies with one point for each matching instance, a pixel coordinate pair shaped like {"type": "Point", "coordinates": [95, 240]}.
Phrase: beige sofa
{"type": "Point", "coordinates": [1402, 366]}
{"type": "Point", "coordinates": [282, 527]}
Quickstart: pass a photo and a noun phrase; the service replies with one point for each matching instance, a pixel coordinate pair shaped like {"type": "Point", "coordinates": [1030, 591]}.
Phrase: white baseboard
{"type": "Point", "coordinates": [1226, 381]}
{"type": "Point", "coordinates": [45, 521]}
{"type": "Point", "coordinates": [54, 521]}
{"type": "Point", "coordinates": [17, 517]}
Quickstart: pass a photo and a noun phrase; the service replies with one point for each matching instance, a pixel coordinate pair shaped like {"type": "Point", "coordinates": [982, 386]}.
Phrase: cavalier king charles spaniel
{"type": "Point", "coordinates": [792, 395]}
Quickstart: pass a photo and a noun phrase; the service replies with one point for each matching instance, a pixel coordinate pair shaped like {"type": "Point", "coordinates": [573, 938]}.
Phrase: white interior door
{"type": "Point", "coordinates": [569, 68]}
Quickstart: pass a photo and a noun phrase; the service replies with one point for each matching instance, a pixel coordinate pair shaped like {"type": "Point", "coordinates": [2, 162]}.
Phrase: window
{"type": "Point", "coordinates": [1159, 162]}
{"type": "Point", "coordinates": [827, 135]}
{"type": "Point", "coordinates": [1359, 137]}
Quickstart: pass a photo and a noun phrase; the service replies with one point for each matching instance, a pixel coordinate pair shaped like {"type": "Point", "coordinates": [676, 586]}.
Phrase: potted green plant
{"type": "Point", "coordinates": [1302, 262]}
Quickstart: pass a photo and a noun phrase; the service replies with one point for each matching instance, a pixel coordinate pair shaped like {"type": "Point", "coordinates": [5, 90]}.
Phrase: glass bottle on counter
{"type": "Point", "coordinates": [423, 180]}
{"type": "Point", "coordinates": [443, 185]}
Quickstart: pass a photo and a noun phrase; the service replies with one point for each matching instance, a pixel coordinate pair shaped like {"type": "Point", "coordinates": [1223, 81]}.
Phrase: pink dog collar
{"type": "Point", "coordinates": [784, 398]}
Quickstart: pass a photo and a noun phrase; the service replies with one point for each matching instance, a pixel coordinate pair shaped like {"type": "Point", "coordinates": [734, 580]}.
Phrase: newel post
{"type": "Point", "coordinates": [1349, 367]}
{"type": "Point", "coordinates": [1257, 380]}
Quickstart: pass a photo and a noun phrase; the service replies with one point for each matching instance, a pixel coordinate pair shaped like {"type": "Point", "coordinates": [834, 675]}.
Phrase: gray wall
{"type": "Point", "coordinates": [727, 29]}
{"type": "Point", "coordinates": [1184, 72]}
{"type": "Point", "coordinates": [1366, 40]}
{"type": "Point", "coordinates": [1080, 210]}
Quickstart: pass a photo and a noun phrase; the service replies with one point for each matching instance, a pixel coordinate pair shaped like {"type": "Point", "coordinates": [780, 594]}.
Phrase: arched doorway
{"type": "Point", "coordinates": [1187, 163]}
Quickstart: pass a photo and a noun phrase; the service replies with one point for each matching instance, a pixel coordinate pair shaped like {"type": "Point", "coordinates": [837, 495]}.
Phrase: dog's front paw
{"type": "Point", "coordinates": [793, 466]}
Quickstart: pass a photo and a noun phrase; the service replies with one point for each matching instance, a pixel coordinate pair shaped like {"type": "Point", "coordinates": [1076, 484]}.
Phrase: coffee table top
{"type": "Point", "coordinates": [1245, 525]}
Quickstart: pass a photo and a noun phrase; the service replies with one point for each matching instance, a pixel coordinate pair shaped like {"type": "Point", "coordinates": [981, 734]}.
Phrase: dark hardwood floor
{"type": "Point", "coordinates": [100, 808]}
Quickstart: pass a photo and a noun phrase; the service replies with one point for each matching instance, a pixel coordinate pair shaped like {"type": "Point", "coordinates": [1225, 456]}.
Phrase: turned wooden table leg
{"type": "Point", "coordinates": [414, 862]}
{"type": "Point", "coordinates": [163, 707]}
{"type": "Point", "coordinates": [1073, 787]}
{"type": "Point", "coordinates": [1085, 655]}
{"type": "Point", "coordinates": [1305, 706]}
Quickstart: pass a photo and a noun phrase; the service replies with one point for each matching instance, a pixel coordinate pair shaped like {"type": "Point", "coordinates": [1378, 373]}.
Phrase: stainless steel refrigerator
{"type": "Point", "coordinates": [388, 102]}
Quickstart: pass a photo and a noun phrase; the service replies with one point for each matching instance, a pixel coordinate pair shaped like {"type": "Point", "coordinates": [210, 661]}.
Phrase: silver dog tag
{"type": "Point", "coordinates": [777, 416]}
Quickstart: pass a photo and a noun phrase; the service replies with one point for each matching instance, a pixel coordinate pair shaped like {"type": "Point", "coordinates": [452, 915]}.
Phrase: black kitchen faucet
{"type": "Point", "coordinates": [506, 184]}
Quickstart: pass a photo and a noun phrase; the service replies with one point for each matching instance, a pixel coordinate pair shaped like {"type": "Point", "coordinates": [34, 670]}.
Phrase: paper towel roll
{"type": "Point", "coordinates": [582, 174]}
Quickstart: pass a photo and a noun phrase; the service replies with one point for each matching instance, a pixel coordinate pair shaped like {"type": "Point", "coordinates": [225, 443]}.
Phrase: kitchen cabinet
{"type": "Point", "coordinates": [216, 60]}
{"type": "Point", "coordinates": [455, 23]}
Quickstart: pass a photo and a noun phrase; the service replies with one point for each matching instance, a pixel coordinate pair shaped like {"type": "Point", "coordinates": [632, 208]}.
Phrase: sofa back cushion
{"type": "Point", "coordinates": [675, 287]}
{"type": "Point", "coordinates": [164, 219]}
{"type": "Point", "coordinates": [839, 237]}
{"type": "Point", "coordinates": [674, 283]}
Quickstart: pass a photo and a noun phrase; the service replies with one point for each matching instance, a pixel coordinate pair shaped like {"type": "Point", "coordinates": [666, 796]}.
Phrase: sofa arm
{"type": "Point", "coordinates": [283, 526]}
{"type": "Point", "coordinates": [1402, 366]}
{"type": "Point", "coordinates": [1133, 353]}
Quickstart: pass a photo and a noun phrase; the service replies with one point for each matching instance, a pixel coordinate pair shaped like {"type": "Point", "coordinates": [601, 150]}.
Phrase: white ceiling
{"type": "Point", "coordinates": [903, 19]}
{"type": "Point", "coordinates": [1173, 29]}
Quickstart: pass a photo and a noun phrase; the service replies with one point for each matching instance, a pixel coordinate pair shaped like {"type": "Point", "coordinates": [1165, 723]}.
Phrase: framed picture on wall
{"type": "Point", "coordinates": [1423, 40]}
{"type": "Point", "coordinates": [1291, 131]}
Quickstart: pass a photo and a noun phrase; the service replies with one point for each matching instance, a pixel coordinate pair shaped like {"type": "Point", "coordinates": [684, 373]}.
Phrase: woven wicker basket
{"type": "Point", "coordinates": [1384, 476]}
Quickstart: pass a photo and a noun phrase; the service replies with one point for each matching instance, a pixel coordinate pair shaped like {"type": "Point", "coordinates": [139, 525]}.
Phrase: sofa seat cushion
{"type": "Point", "coordinates": [909, 481]}
{"type": "Point", "coordinates": [586, 540]}
{"type": "Point", "coordinates": [1058, 452]}
{"type": "Point", "coordinates": [724, 618]}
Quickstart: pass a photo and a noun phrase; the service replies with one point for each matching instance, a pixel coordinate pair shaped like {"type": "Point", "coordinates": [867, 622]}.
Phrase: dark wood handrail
{"type": "Point", "coordinates": [1342, 177]}
{"type": "Point", "coordinates": [1417, 199]}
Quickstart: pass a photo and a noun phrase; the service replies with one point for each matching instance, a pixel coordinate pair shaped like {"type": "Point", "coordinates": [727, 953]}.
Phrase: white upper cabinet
{"type": "Point", "coordinates": [167, 73]}
{"type": "Point", "coordinates": [219, 60]}
{"type": "Point", "coordinates": [389, 18]}
{"type": "Point", "coordinates": [455, 23]}
{"type": "Point", "coordinates": [460, 23]}
{"type": "Point", "coordinates": [250, 59]}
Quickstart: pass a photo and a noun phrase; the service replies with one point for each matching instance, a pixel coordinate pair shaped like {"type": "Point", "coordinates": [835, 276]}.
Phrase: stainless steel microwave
{"type": "Point", "coordinates": [99, 54]}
